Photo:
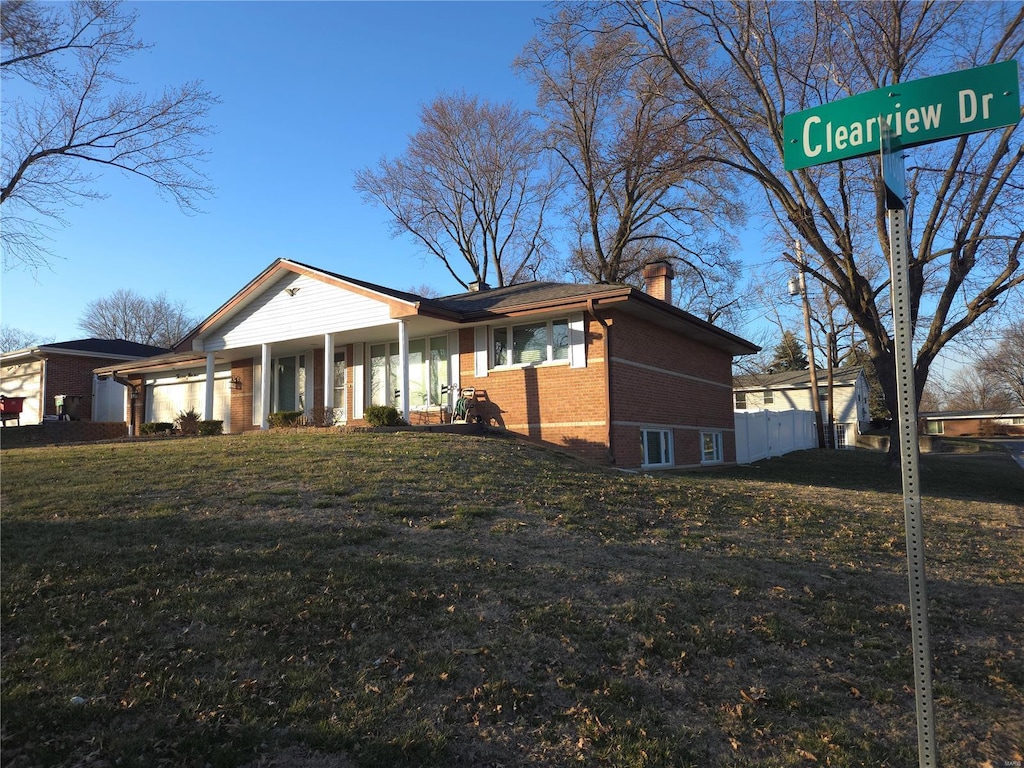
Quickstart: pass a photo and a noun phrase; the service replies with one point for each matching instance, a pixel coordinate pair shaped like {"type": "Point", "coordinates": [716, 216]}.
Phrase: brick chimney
{"type": "Point", "coordinates": [658, 276]}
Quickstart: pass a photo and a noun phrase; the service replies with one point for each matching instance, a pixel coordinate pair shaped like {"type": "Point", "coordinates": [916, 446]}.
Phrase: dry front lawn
{"type": "Point", "coordinates": [314, 600]}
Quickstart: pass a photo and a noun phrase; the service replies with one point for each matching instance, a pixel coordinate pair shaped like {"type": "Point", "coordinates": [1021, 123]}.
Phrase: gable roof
{"type": "Point", "coordinates": [484, 305]}
{"type": "Point", "coordinates": [796, 379]}
{"type": "Point", "coordinates": [92, 347]}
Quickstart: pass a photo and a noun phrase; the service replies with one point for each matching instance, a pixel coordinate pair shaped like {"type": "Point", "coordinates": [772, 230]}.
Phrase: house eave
{"type": "Point", "coordinates": [44, 352]}
{"type": "Point", "coordinates": [169, 363]}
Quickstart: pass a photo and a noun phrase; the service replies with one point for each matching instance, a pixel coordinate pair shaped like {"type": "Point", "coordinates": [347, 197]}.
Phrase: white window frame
{"type": "Point", "coordinates": [390, 352]}
{"type": "Point", "coordinates": [768, 397]}
{"type": "Point", "coordinates": [549, 355]}
{"type": "Point", "coordinates": [667, 448]}
{"type": "Point", "coordinates": [716, 455]}
{"type": "Point", "coordinates": [737, 397]}
{"type": "Point", "coordinates": [935, 427]}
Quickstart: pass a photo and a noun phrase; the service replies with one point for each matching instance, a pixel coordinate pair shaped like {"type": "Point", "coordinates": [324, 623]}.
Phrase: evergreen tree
{"type": "Point", "coordinates": [789, 354]}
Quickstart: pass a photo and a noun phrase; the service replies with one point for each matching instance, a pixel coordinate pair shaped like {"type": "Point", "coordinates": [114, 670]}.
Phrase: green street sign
{"type": "Point", "coordinates": [918, 112]}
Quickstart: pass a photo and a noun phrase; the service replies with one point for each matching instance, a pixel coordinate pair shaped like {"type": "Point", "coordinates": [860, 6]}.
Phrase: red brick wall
{"type": "Point", "coordinates": [59, 432]}
{"type": "Point", "coordinates": [977, 428]}
{"type": "Point", "coordinates": [553, 404]}
{"type": "Point", "coordinates": [241, 399]}
{"type": "Point", "coordinates": [71, 375]}
{"type": "Point", "coordinates": [660, 379]}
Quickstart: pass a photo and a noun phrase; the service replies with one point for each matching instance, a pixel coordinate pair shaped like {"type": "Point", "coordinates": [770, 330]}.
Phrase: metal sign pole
{"type": "Point", "coordinates": [854, 127]}
{"type": "Point", "coordinates": [907, 415]}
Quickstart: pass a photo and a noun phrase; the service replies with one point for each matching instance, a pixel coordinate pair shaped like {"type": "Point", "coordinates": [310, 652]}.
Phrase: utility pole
{"type": "Point", "coordinates": [819, 425]}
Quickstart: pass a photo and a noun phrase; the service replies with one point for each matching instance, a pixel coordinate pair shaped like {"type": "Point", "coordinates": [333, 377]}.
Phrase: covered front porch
{"type": "Point", "coordinates": [331, 379]}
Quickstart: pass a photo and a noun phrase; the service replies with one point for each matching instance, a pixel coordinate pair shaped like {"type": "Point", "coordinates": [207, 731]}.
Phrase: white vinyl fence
{"type": "Point", "coordinates": [760, 434]}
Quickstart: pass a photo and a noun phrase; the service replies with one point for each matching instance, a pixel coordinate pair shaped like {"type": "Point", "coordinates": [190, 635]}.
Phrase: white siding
{"type": "Point", "coordinates": [24, 380]}
{"type": "Point", "coordinates": [845, 401]}
{"type": "Point", "coordinates": [167, 397]}
{"type": "Point", "coordinates": [314, 308]}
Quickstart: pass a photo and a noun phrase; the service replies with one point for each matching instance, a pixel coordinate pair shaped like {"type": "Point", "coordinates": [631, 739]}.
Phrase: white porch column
{"type": "Point", "coordinates": [403, 377]}
{"type": "Point", "coordinates": [208, 405]}
{"type": "Point", "coordinates": [328, 373]}
{"type": "Point", "coordinates": [309, 377]}
{"type": "Point", "coordinates": [266, 373]}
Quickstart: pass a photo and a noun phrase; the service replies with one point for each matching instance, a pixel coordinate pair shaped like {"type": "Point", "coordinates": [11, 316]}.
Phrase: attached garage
{"type": "Point", "coordinates": [25, 380]}
{"type": "Point", "coordinates": [167, 397]}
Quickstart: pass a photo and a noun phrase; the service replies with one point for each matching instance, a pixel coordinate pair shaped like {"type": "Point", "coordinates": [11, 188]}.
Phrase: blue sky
{"type": "Point", "coordinates": [310, 92]}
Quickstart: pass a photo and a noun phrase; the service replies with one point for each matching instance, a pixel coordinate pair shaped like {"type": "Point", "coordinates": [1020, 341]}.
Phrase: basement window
{"type": "Point", "coordinates": [657, 447]}
{"type": "Point", "coordinates": [710, 447]}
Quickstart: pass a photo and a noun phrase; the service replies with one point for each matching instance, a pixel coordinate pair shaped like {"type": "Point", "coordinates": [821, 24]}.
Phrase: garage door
{"type": "Point", "coordinates": [166, 399]}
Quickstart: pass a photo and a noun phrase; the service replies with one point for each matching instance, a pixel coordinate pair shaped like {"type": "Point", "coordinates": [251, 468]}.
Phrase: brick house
{"type": "Point", "coordinates": [40, 373]}
{"type": "Point", "coordinates": [1008, 422]}
{"type": "Point", "coordinates": [608, 372]}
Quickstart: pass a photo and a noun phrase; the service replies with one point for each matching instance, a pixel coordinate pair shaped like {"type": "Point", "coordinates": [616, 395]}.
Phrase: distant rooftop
{"type": "Point", "coordinates": [104, 347]}
{"type": "Point", "coordinates": [794, 379]}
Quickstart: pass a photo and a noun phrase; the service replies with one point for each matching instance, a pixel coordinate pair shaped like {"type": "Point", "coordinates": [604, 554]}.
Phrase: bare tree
{"type": "Point", "coordinates": [975, 389]}
{"type": "Point", "coordinates": [473, 186]}
{"type": "Point", "coordinates": [641, 186]}
{"type": "Point", "coordinates": [67, 120]}
{"type": "Point", "coordinates": [14, 338]}
{"type": "Point", "coordinates": [1005, 364]}
{"type": "Point", "coordinates": [124, 314]}
{"type": "Point", "coordinates": [966, 194]}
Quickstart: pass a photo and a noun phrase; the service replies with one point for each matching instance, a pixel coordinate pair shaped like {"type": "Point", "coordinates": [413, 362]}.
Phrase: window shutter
{"type": "Point", "coordinates": [480, 351]}
{"type": "Point", "coordinates": [454, 365]}
{"type": "Point", "coordinates": [577, 341]}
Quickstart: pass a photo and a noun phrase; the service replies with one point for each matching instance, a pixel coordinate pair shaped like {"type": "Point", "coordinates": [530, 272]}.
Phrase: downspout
{"type": "Point", "coordinates": [42, 388]}
{"type": "Point", "coordinates": [607, 377]}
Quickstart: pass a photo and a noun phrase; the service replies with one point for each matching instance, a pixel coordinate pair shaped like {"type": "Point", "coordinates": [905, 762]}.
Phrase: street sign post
{"type": "Point", "coordinates": [891, 120]}
{"type": "Point", "coordinates": [918, 112]}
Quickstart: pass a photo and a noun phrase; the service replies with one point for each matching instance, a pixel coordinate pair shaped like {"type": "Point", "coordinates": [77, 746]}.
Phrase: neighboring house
{"type": "Point", "coordinates": [792, 391]}
{"type": "Point", "coordinates": [973, 423]}
{"type": "Point", "coordinates": [608, 372]}
{"type": "Point", "coordinates": [40, 373]}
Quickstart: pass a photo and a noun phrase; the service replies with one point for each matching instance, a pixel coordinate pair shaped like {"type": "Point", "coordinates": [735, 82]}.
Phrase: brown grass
{"type": "Point", "coordinates": [380, 600]}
